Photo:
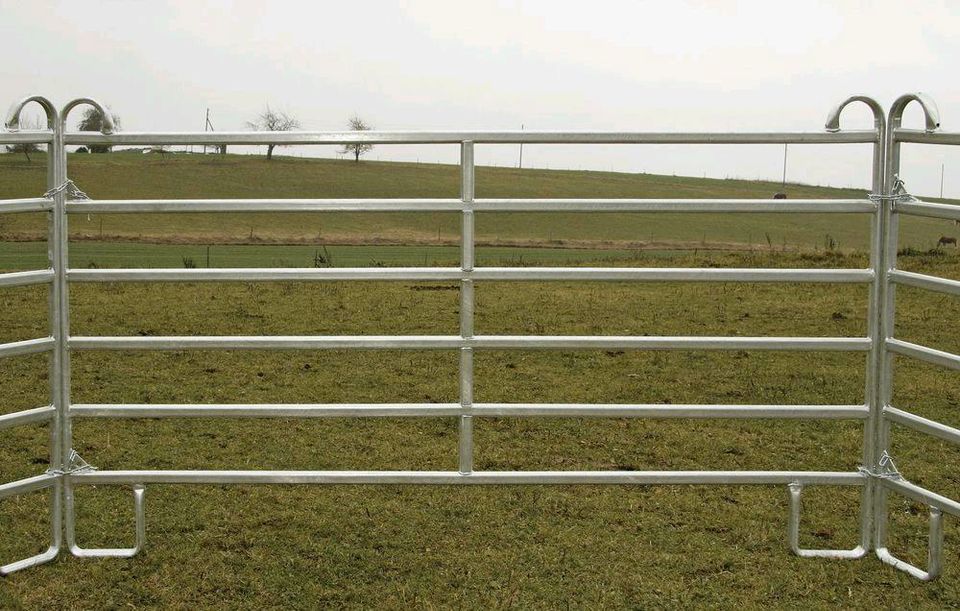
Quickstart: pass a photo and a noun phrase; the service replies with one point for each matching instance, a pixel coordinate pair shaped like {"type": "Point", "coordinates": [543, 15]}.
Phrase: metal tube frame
{"type": "Point", "coordinates": [67, 470]}
{"type": "Point", "coordinates": [51, 480]}
{"type": "Point", "coordinates": [895, 203]}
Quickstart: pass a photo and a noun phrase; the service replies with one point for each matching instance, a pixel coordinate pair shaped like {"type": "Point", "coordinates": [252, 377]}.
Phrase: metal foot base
{"type": "Point", "coordinates": [55, 538]}
{"type": "Point", "coordinates": [793, 534]}
{"type": "Point", "coordinates": [42, 558]}
{"type": "Point", "coordinates": [123, 552]}
{"type": "Point", "coordinates": [934, 552]}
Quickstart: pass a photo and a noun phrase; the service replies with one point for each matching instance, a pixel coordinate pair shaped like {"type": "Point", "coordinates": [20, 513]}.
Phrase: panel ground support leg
{"type": "Point", "coordinates": [793, 534]}
{"type": "Point", "coordinates": [125, 552]}
{"type": "Point", "coordinates": [55, 538]}
{"type": "Point", "coordinates": [934, 551]}
{"type": "Point", "coordinates": [42, 558]}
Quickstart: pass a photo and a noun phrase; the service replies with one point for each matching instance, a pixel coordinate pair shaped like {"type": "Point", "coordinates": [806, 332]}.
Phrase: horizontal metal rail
{"type": "Point", "coordinates": [918, 493]}
{"type": "Point", "coordinates": [28, 484]}
{"type": "Point", "coordinates": [270, 274]}
{"type": "Point", "coordinates": [31, 204]}
{"type": "Point", "coordinates": [658, 274]}
{"type": "Point", "coordinates": [266, 410]}
{"type": "Point", "coordinates": [519, 342]}
{"type": "Point", "coordinates": [260, 342]}
{"type": "Point", "coordinates": [837, 478]}
{"type": "Point", "coordinates": [490, 410]}
{"type": "Point", "coordinates": [930, 355]}
{"type": "Point", "coordinates": [923, 281]}
{"type": "Point", "coordinates": [937, 211]}
{"type": "Point", "coordinates": [29, 346]}
{"type": "Point", "coordinates": [923, 425]}
{"type": "Point", "coordinates": [105, 206]}
{"type": "Point", "coordinates": [819, 206]}
{"type": "Point", "coordinates": [593, 410]}
{"type": "Point", "coordinates": [481, 137]}
{"type": "Point", "coordinates": [40, 276]}
{"type": "Point", "coordinates": [27, 416]}
{"type": "Point", "coordinates": [924, 137]}
{"type": "Point", "coordinates": [38, 137]}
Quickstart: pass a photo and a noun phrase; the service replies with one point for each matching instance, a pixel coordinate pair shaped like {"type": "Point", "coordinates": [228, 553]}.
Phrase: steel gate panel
{"type": "Point", "coordinates": [887, 201]}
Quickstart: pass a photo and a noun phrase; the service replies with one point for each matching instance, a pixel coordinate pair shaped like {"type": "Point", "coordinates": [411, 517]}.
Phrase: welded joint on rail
{"type": "Point", "coordinates": [793, 533]}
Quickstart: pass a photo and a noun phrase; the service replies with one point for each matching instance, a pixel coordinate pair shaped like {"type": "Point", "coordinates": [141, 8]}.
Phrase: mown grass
{"type": "Point", "coordinates": [540, 546]}
{"type": "Point", "coordinates": [33, 255]}
{"type": "Point", "coordinates": [391, 546]}
{"type": "Point", "coordinates": [132, 175]}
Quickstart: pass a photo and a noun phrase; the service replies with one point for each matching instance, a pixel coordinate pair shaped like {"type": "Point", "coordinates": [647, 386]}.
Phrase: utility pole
{"type": "Point", "coordinates": [783, 183]}
{"type": "Point", "coordinates": [520, 165]}
{"type": "Point", "coordinates": [941, 181]}
{"type": "Point", "coordinates": [206, 127]}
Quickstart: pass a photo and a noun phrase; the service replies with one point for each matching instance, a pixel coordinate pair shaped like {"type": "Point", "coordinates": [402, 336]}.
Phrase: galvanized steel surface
{"type": "Point", "coordinates": [883, 206]}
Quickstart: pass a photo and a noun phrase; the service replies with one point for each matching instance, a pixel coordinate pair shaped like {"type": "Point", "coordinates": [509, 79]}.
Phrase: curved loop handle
{"type": "Point", "coordinates": [12, 120]}
{"type": "Point", "coordinates": [107, 126]}
{"type": "Point", "coordinates": [833, 119]}
{"type": "Point", "coordinates": [931, 113]}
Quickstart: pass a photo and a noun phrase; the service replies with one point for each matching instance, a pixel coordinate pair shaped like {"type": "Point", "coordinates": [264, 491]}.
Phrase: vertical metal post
{"type": "Point", "coordinates": [61, 287]}
{"type": "Point", "coordinates": [873, 392]}
{"type": "Point", "coordinates": [467, 188]}
{"type": "Point", "coordinates": [887, 319]}
{"type": "Point", "coordinates": [59, 459]}
{"type": "Point", "coordinates": [875, 309]}
{"type": "Point", "coordinates": [60, 323]}
{"type": "Point", "coordinates": [888, 289]}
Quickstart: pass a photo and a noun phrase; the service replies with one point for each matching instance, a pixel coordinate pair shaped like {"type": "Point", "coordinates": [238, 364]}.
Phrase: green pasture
{"type": "Point", "coordinates": [400, 547]}
{"type": "Point", "coordinates": [137, 176]}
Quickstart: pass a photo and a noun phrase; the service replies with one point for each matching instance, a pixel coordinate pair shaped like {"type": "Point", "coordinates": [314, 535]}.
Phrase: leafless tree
{"type": "Point", "coordinates": [92, 121]}
{"type": "Point", "coordinates": [358, 125]}
{"type": "Point", "coordinates": [273, 121]}
{"type": "Point", "coordinates": [27, 124]}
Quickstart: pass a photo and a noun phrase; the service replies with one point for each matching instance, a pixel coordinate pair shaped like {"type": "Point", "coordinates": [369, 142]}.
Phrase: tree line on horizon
{"type": "Point", "coordinates": [268, 120]}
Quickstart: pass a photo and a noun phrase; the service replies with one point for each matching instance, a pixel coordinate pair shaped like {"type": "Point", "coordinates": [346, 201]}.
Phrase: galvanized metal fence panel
{"type": "Point", "coordinates": [886, 202]}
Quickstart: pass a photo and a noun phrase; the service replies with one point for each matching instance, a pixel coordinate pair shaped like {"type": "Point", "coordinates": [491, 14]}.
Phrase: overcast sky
{"type": "Point", "coordinates": [630, 66]}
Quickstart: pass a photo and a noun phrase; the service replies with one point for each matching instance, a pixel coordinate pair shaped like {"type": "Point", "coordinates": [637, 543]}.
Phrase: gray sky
{"type": "Point", "coordinates": [637, 66]}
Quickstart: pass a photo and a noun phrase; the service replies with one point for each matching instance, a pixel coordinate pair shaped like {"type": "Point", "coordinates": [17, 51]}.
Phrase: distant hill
{"type": "Point", "coordinates": [136, 176]}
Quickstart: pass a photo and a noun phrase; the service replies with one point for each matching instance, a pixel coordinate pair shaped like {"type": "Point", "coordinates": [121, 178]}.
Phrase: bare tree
{"type": "Point", "coordinates": [273, 121]}
{"type": "Point", "coordinates": [92, 121]}
{"type": "Point", "coordinates": [27, 125]}
{"type": "Point", "coordinates": [358, 125]}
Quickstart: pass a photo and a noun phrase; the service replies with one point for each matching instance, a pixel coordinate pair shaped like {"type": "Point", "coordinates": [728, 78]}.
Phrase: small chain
{"type": "Point", "coordinates": [899, 194]}
{"type": "Point", "coordinates": [70, 188]}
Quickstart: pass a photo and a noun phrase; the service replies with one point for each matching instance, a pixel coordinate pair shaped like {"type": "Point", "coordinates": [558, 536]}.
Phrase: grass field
{"type": "Point", "coordinates": [540, 546]}
{"type": "Point", "coordinates": [30, 255]}
{"type": "Point", "coordinates": [132, 175]}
